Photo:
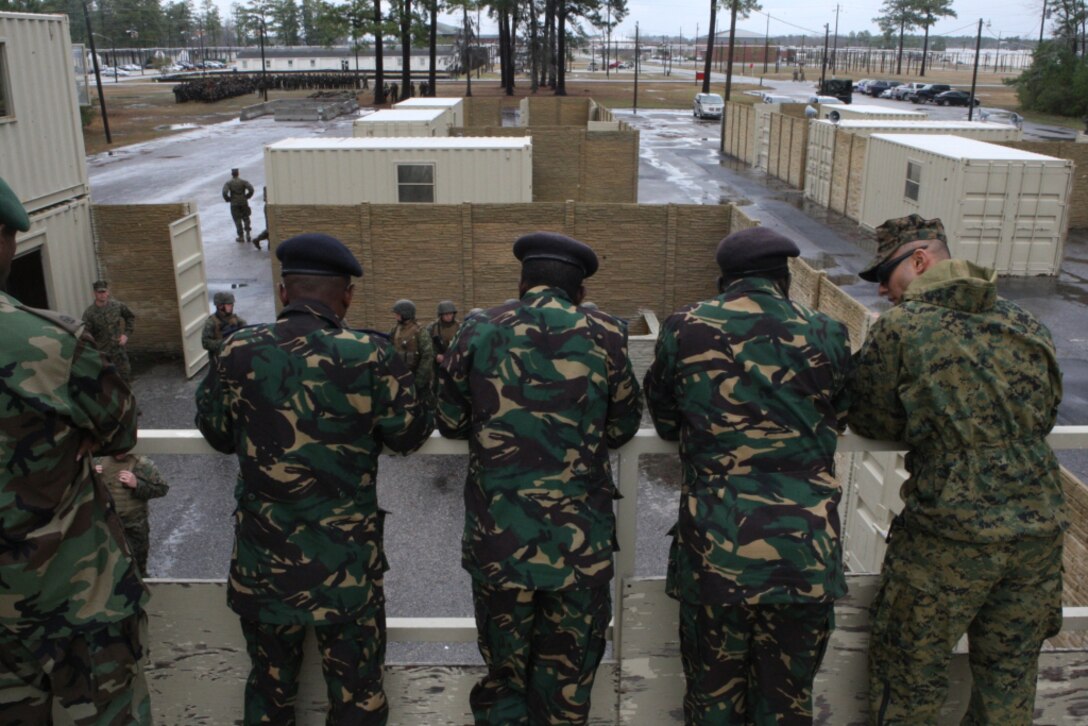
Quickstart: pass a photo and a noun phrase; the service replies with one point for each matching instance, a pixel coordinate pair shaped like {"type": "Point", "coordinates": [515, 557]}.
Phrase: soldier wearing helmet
{"type": "Point", "coordinates": [218, 326]}
{"type": "Point", "coordinates": [413, 344]}
{"type": "Point", "coordinates": [443, 328]}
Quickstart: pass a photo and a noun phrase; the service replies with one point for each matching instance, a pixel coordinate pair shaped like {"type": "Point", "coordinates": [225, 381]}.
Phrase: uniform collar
{"type": "Point", "coordinates": [311, 307]}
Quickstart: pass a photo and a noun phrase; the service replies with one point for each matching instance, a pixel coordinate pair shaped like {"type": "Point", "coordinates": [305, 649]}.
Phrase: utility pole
{"type": "Point", "coordinates": [97, 75]}
{"type": "Point", "coordinates": [1042, 23]}
{"type": "Point", "coordinates": [974, 74]}
{"type": "Point", "coordinates": [635, 103]}
{"type": "Point", "coordinates": [766, 42]}
{"type": "Point", "coordinates": [823, 66]}
{"type": "Point", "coordinates": [835, 47]}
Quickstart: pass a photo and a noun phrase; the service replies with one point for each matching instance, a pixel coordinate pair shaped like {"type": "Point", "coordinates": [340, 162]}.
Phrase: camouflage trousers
{"type": "Point", "coordinates": [138, 536]}
{"type": "Point", "coordinates": [542, 649]}
{"type": "Point", "coordinates": [118, 355]}
{"type": "Point", "coordinates": [240, 215]}
{"type": "Point", "coordinates": [351, 660]}
{"type": "Point", "coordinates": [752, 664]}
{"type": "Point", "coordinates": [1006, 596]}
{"type": "Point", "coordinates": [97, 676]}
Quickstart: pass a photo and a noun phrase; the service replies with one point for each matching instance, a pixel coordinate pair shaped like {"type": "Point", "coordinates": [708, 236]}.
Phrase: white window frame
{"type": "Point", "coordinates": [912, 187]}
{"type": "Point", "coordinates": [7, 113]}
{"type": "Point", "coordinates": [403, 185]}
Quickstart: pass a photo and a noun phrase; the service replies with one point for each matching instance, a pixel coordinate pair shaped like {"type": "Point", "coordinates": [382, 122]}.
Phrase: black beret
{"type": "Point", "coordinates": [558, 247]}
{"type": "Point", "coordinates": [755, 251]}
{"type": "Point", "coordinates": [317, 254]}
{"type": "Point", "coordinates": [12, 212]}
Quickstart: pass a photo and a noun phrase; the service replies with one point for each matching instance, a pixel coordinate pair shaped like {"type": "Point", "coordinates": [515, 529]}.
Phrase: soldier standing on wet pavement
{"type": "Point", "coordinates": [220, 324]}
{"type": "Point", "coordinates": [308, 404]}
{"type": "Point", "coordinates": [71, 614]}
{"type": "Point", "coordinates": [413, 343]}
{"type": "Point", "coordinates": [110, 323]}
{"type": "Point", "coordinates": [238, 191]}
{"type": "Point", "coordinates": [541, 389]}
{"type": "Point", "coordinates": [752, 385]}
{"type": "Point", "coordinates": [132, 481]}
{"type": "Point", "coordinates": [970, 383]}
{"type": "Point", "coordinates": [443, 328]}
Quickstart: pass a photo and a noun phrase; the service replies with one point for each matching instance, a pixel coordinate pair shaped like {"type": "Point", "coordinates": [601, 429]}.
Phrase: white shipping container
{"type": "Point", "coordinates": [862, 111]}
{"type": "Point", "coordinates": [60, 242]}
{"type": "Point", "coordinates": [455, 105]}
{"type": "Point", "coordinates": [822, 135]}
{"type": "Point", "coordinates": [41, 136]}
{"type": "Point", "coordinates": [433, 122]}
{"type": "Point", "coordinates": [1002, 208]}
{"type": "Point", "coordinates": [392, 170]}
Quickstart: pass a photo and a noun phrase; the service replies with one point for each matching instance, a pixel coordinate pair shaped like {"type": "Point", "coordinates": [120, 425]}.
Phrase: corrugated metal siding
{"type": "Point", "coordinates": [455, 105]}
{"type": "Point", "coordinates": [819, 159]}
{"type": "Point", "coordinates": [353, 176]}
{"type": "Point", "coordinates": [878, 112]}
{"type": "Point", "coordinates": [433, 122]}
{"type": "Point", "coordinates": [41, 146]}
{"type": "Point", "coordinates": [64, 235]}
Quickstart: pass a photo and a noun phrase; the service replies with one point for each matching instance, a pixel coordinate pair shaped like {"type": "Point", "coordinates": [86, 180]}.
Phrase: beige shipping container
{"type": "Point", "coordinates": [456, 106]}
{"type": "Point", "coordinates": [862, 111]}
{"type": "Point", "coordinates": [1002, 208]}
{"type": "Point", "coordinates": [822, 135]}
{"type": "Point", "coordinates": [433, 122]}
{"type": "Point", "coordinates": [56, 258]}
{"type": "Point", "coordinates": [41, 135]}
{"type": "Point", "coordinates": [392, 170]}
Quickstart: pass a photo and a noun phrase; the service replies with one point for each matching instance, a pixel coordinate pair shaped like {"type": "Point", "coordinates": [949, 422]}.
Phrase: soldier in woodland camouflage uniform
{"type": "Point", "coordinates": [308, 405]}
{"type": "Point", "coordinates": [413, 343]}
{"type": "Point", "coordinates": [751, 383]}
{"type": "Point", "coordinates": [542, 390]}
{"type": "Point", "coordinates": [132, 481]}
{"type": "Point", "coordinates": [71, 610]}
{"type": "Point", "coordinates": [221, 324]}
{"type": "Point", "coordinates": [111, 323]}
{"type": "Point", "coordinates": [443, 329]}
{"type": "Point", "coordinates": [238, 192]}
{"type": "Point", "coordinates": [970, 383]}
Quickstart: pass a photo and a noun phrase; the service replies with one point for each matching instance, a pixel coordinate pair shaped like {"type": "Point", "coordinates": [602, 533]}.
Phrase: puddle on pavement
{"type": "Point", "coordinates": [176, 127]}
{"type": "Point", "coordinates": [736, 202]}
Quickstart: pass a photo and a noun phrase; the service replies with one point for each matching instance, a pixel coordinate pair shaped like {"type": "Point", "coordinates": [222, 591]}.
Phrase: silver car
{"type": "Point", "coordinates": [708, 105]}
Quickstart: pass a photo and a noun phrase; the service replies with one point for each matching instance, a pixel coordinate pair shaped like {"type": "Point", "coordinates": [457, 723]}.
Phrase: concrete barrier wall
{"type": "Point", "coordinates": [738, 133]}
{"type": "Point", "coordinates": [558, 111]}
{"type": "Point", "coordinates": [133, 242]}
{"type": "Point", "coordinates": [483, 111]}
{"type": "Point", "coordinates": [788, 147]}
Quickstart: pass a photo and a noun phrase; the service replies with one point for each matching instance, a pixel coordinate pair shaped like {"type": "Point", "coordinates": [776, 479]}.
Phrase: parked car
{"type": "Point", "coordinates": [825, 100]}
{"type": "Point", "coordinates": [708, 105]}
{"type": "Point", "coordinates": [900, 93]}
{"type": "Point", "coordinates": [860, 86]}
{"type": "Point", "coordinates": [778, 98]}
{"type": "Point", "coordinates": [928, 92]}
{"type": "Point", "coordinates": [876, 88]}
{"type": "Point", "coordinates": [955, 98]}
{"type": "Point", "coordinates": [1001, 116]}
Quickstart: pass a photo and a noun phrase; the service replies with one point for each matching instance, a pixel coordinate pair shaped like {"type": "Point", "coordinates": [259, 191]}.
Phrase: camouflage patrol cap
{"type": "Point", "coordinates": [755, 251]}
{"type": "Point", "coordinates": [317, 254]}
{"type": "Point", "coordinates": [223, 298]}
{"type": "Point", "coordinates": [405, 308]}
{"type": "Point", "coordinates": [558, 247]}
{"type": "Point", "coordinates": [12, 212]}
{"type": "Point", "coordinates": [897, 232]}
{"type": "Point", "coordinates": [100, 285]}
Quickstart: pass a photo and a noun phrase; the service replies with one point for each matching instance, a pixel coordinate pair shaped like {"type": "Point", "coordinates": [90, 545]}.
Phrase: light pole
{"type": "Point", "coordinates": [97, 74]}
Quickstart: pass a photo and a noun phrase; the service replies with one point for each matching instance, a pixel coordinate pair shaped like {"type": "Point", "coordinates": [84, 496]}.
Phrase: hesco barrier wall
{"type": "Point", "coordinates": [1078, 196]}
{"type": "Point", "coordinates": [657, 257]}
{"type": "Point", "coordinates": [134, 255]}
{"type": "Point", "coordinates": [571, 163]}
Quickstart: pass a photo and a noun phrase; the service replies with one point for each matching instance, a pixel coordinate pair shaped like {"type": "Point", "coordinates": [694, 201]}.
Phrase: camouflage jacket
{"type": "Point", "coordinates": [218, 327]}
{"type": "Point", "coordinates": [308, 404]}
{"type": "Point", "coordinates": [413, 344]}
{"type": "Point", "coordinates": [131, 504]}
{"type": "Point", "coordinates": [63, 561]}
{"type": "Point", "coordinates": [106, 324]}
{"type": "Point", "coordinates": [971, 384]}
{"type": "Point", "coordinates": [752, 385]}
{"type": "Point", "coordinates": [237, 191]}
{"type": "Point", "coordinates": [442, 335]}
{"type": "Point", "coordinates": [542, 390]}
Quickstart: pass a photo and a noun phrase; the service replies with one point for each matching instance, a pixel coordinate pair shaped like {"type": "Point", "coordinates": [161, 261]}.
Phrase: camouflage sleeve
{"type": "Point", "coordinates": [130, 319]}
{"type": "Point", "coordinates": [102, 402]}
{"type": "Point", "coordinates": [843, 365]}
{"type": "Point", "coordinates": [425, 371]}
{"type": "Point", "coordinates": [875, 409]}
{"type": "Point", "coordinates": [226, 192]}
{"type": "Point", "coordinates": [402, 422]}
{"type": "Point", "coordinates": [213, 411]}
{"type": "Point", "coordinates": [149, 482]}
{"type": "Point", "coordinates": [659, 384]}
{"type": "Point", "coordinates": [249, 191]}
{"type": "Point", "coordinates": [208, 339]}
{"type": "Point", "coordinates": [625, 404]}
{"type": "Point", "coordinates": [454, 402]}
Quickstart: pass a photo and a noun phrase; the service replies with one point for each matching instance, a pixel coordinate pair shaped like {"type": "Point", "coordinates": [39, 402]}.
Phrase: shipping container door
{"type": "Point", "coordinates": [871, 505]}
{"type": "Point", "coordinates": [191, 285]}
{"type": "Point", "coordinates": [821, 154]}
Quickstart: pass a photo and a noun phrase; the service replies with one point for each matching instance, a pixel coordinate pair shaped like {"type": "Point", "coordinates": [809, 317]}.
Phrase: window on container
{"type": "Point", "coordinates": [415, 183]}
{"type": "Point", "coordinates": [290, 64]}
{"type": "Point", "coordinates": [5, 94]}
{"type": "Point", "coordinates": [268, 64]}
{"type": "Point", "coordinates": [914, 180]}
{"type": "Point", "coordinates": [313, 63]}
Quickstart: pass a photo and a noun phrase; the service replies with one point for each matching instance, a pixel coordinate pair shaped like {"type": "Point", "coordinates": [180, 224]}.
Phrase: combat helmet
{"type": "Point", "coordinates": [405, 308]}
{"type": "Point", "coordinates": [446, 306]}
{"type": "Point", "coordinates": [223, 298]}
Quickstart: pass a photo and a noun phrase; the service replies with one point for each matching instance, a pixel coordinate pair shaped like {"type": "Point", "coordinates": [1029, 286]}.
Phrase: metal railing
{"type": "Point", "coordinates": [646, 441]}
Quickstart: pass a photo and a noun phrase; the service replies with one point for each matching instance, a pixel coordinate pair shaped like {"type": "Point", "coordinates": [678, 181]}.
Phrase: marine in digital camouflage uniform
{"type": "Point", "coordinates": [71, 610]}
{"type": "Point", "coordinates": [413, 344]}
{"type": "Point", "coordinates": [237, 191]}
{"type": "Point", "coordinates": [308, 404]}
{"type": "Point", "coordinates": [542, 390]}
{"type": "Point", "coordinates": [111, 323]}
{"type": "Point", "coordinates": [220, 324]}
{"type": "Point", "coordinates": [443, 328]}
{"type": "Point", "coordinates": [133, 480]}
{"type": "Point", "coordinates": [752, 385]}
{"type": "Point", "coordinates": [970, 383]}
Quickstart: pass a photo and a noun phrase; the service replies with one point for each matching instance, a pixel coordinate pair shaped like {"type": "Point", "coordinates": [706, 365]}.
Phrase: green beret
{"type": "Point", "coordinates": [12, 212]}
